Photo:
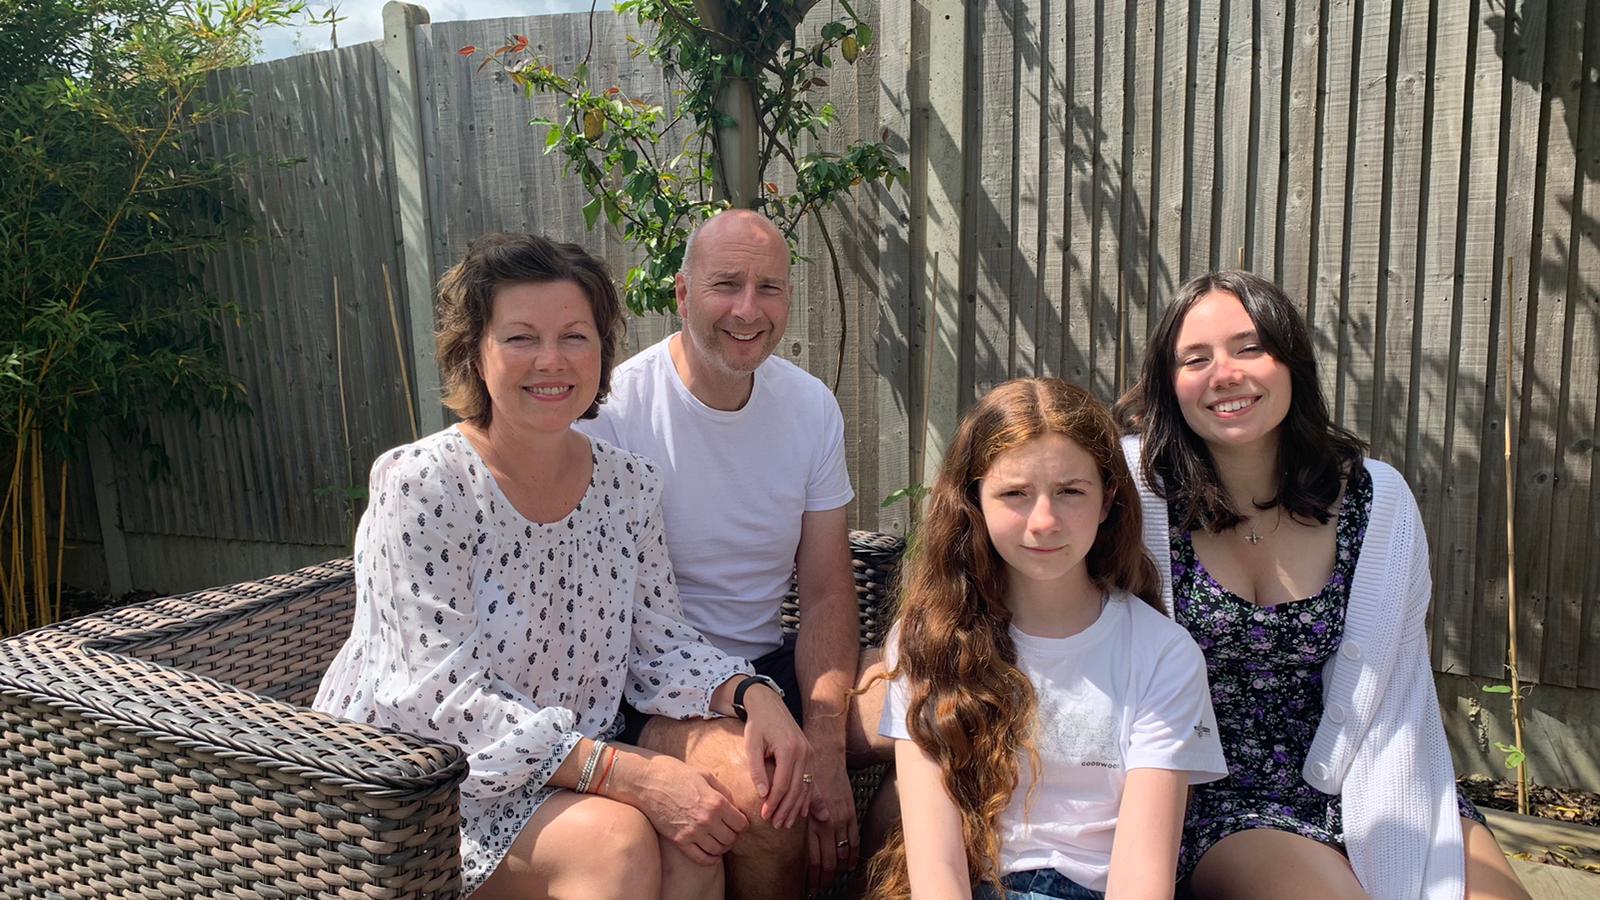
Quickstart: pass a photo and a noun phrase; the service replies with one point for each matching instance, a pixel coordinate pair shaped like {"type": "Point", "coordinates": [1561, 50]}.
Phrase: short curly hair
{"type": "Point", "coordinates": [466, 304]}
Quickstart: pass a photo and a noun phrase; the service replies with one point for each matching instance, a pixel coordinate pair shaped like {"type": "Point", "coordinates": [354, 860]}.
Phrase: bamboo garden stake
{"type": "Point", "coordinates": [1511, 576]}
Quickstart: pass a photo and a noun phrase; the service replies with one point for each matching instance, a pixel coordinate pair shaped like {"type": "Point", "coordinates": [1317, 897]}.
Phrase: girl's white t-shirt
{"type": "Point", "coordinates": [1128, 692]}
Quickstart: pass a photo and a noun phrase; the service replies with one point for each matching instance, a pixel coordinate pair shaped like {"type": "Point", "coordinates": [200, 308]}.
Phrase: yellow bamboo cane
{"type": "Point", "coordinates": [41, 536]}
{"type": "Point", "coordinates": [1511, 575]}
{"type": "Point", "coordinates": [61, 540]}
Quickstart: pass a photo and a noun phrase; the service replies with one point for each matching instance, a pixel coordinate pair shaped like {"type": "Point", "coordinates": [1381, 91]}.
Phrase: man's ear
{"type": "Point", "coordinates": [680, 288]}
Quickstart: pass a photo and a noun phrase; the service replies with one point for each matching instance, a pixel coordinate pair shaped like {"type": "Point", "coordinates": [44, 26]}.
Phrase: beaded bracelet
{"type": "Point", "coordinates": [589, 766]}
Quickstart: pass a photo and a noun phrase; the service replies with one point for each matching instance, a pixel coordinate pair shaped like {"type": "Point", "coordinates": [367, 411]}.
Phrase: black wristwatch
{"type": "Point", "coordinates": [738, 693]}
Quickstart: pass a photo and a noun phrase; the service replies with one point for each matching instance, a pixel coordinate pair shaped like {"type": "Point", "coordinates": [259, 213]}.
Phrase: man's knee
{"type": "Point", "coordinates": [717, 747]}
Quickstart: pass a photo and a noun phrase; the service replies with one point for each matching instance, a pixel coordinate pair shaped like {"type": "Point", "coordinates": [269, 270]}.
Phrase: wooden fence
{"type": "Point", "coordinates": [1418, 174]}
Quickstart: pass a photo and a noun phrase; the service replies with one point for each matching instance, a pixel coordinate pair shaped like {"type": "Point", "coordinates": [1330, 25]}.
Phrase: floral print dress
{"type": "Point", "coordinates": [1265, 667]}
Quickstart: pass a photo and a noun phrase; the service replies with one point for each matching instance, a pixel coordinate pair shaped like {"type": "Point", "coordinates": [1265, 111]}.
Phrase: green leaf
{"type": "Point", "coordinates": [912, 492]}
{"type": "Point", "coordinates": [1496, 689]}
{"type": "Point", "coordinates": [1515, 758]}
{"type": "Point", "coordinates": [591, 212]}
{"type": "Point", "coordinates": [552, 139]}
{"type": "Point", "coordinates": [864, 34]}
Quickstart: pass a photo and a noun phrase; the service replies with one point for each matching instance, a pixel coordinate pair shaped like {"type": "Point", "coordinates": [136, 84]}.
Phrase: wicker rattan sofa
{"type": "Point", "coordinates": [165, 750]}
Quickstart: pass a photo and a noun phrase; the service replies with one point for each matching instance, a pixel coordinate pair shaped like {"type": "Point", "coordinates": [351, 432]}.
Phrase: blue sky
{"type": "Point", "coordinates": [363, 20]}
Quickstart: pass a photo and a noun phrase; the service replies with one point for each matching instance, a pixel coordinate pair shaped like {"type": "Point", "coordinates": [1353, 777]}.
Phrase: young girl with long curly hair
{"type": "Point", "coordinates": [1048, 718]}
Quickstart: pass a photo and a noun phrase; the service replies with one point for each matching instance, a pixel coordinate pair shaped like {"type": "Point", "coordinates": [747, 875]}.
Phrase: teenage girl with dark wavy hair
{"type": "Point", "coordinates": [1048, 718]}
{"type": "Point", "coordinates": [1301, 569]}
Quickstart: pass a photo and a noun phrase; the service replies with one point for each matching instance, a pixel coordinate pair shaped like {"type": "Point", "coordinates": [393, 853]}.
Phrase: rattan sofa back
{"type": "Point", "coordinates": [165, 750]}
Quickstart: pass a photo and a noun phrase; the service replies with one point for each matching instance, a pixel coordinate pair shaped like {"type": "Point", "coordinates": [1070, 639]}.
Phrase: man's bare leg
{"type": "Point", "coordinates": [765, 862]}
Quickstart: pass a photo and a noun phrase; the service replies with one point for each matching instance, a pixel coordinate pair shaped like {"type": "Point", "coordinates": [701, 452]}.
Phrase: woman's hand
{"type": "Point", "coordinates": [770, 732]}
{"type": "Point", "coordinates": [686, 806]}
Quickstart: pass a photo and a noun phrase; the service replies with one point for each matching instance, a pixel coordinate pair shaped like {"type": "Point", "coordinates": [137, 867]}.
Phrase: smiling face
{"type": "Point", "coordinates": [1042, 503]}
{"type": "Point", "coordinates": [540, 355]}
{"type": "Point", "coordinates": [735, 298]}
{"type": "Point", "coordinates": [1232, 392]}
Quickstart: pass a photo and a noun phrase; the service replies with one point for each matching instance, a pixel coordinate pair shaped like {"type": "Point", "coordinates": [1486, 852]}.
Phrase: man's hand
{"type": "Point", "coordinates": [833, 842]}
{"type": "Point", "coordinates": [779, 757]}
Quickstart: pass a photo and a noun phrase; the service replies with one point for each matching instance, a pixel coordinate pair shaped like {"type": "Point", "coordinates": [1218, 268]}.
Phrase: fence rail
{"type": "Point", "coordinates": [1418, 175]}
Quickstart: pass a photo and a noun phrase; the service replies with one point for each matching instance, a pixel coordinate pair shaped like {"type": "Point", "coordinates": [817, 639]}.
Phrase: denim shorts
{"type": "Point", "coordinates": [1039, 884]}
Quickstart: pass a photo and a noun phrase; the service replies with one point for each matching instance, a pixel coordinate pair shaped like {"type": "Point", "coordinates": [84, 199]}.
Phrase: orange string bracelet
{"type": "Point", "coordinates": [610, 761]}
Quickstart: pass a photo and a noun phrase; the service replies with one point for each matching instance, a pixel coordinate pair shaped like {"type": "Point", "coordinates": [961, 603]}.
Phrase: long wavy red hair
{"type": "Point", "coordinates": [969, 707]}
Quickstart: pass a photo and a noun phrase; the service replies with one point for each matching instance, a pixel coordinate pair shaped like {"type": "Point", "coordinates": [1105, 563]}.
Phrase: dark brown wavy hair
{"type": "Point", "coordinates": [970, 708]}
{"type": "Point", "coordinates": [466, 304]}
{"type": "Point", "coordinates": [1314, 453]}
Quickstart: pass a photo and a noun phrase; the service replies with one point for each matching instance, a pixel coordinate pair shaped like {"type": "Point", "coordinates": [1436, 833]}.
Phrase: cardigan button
{"type": "Point", "coordinates": [1320, 770]}
{"type": "Point", "coordinates": [1335, 713]}
{"type": "Point", "coordinates": [1349, 650]}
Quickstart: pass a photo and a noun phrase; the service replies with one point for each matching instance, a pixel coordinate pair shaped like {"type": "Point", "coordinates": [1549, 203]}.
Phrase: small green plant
{"type": "Point", "coordinates": [1515, 756]}
{"type": "Point", "coordinates": [912, 492]}
{"type": "Point", "coordinates": [748, 106]}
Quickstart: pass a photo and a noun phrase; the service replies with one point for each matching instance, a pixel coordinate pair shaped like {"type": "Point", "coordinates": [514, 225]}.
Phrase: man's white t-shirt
{"type": "Point", "coordinates": [1128, 692]}
{"type": "Point", "coordinates": [737, 485]}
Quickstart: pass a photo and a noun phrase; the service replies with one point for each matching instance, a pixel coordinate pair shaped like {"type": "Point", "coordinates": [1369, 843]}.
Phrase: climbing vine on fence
{"type": "Point", "coordinates": [744, 131]}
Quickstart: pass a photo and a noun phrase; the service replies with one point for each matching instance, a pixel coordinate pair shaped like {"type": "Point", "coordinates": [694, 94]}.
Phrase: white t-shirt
{"type": "Point", "coordinates": [737, 484]}
{"type": "Point", "coordinates": [1128, 692]}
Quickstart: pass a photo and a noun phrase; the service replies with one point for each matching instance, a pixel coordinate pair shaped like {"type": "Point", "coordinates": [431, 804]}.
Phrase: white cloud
{"type": "Point", "coordinates": [363, 21]}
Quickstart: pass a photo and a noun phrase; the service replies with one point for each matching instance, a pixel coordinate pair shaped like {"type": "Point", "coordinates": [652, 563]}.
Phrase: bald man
{"type": "Point", "coordinates": [751, 447]}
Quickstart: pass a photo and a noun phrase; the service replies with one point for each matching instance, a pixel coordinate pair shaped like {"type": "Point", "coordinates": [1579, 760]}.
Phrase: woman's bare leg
{"type": "Point", "coordinates": [1489, 875]}
{"type": "Point", "coordinates": [580, 846]}
{"type": "Point", "coordinates": [684, 879]}
{"type": "Point", "coordinates": [1267, 864]}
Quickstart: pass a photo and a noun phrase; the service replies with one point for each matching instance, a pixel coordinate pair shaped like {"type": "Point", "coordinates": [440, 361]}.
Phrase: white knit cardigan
{"type": "Point", "coordinates": [1381, 743]}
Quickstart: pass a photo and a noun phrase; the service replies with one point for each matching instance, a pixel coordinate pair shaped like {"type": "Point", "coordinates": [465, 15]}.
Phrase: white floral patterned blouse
{"type": "Point", "coordinates": [509, 638]}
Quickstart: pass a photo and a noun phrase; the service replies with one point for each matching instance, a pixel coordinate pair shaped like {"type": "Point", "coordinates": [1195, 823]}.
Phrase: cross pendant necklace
{"type": "Point", "coordinates": [1252, 537]}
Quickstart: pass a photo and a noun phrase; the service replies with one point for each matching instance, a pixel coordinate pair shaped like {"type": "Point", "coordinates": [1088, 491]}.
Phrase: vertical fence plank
{"type": "Point", "coordinates": [1580, 568]}
{"type": "Point", "coordinates": [1055, 188]}
{"type": "Point", "coordinates": [993, 206]}
{"type": "Point", "coordinates": [1081, 190]}
{"type": "Point", "coordinates": [1235, 136]}
{"type": "Point", "coordinates": [1524, 37]}
{"type": "Point", "coordinates": [1137, 212]}
{"type": "Point", "coordinates": [1483, 316]}
{"type": "Point", "coordinates": [1360, 368]}
{"type": "Point", "coordinates": [1266, 150]}
{"type": "Point", "coordinates": [1326, 302]}
{"type": "Point", "coordinates": [1551, 493]}
{"type": "Point", "coordinates": [1109, 186]}
{"type": "Point", "coordinates": [1302, 57]}
{"type": "Point", "coordinates": [1200, 200]}
{"type": "Point", "coordinates": [1436, 339]}
{"type": "Point", "coordinates": [1401, 261]}
{"type": "Point", "coordinates": [1167, 209]}
{"type": "Point", "coordinates": [1029, 199]}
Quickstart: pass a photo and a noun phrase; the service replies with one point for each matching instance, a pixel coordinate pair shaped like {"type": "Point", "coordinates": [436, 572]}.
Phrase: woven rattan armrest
{"type": "Point", "coordinates": [120, 776]}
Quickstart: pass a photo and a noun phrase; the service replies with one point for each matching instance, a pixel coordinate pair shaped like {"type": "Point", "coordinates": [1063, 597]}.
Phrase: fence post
{"type": "Point", "coordinates": [943, 223]}
{"type": "Point", "coordinates": [410, 191]}
{"type": "Point", "coordinates": [108, 506]}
